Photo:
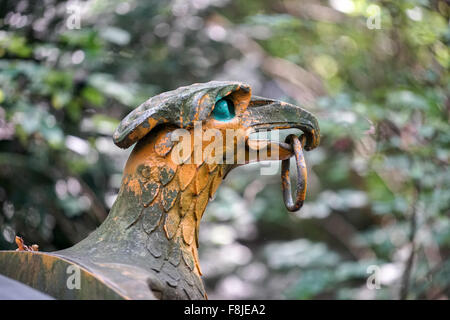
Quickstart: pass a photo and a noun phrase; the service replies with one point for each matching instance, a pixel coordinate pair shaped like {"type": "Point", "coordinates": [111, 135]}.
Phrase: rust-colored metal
{"type": "Point", "coordinates": [49, 273]}
{"type": "Point", "coordinates": [147, 248]}
{"type": "Point", "coordinates": [300, 190]}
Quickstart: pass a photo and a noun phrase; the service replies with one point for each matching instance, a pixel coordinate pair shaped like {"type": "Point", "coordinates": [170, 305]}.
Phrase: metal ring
{"type": "Point", "coordinates": [300, 192]}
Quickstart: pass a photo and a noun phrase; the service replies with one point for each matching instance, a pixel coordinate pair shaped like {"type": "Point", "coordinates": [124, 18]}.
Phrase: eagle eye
{"type": "Point", "coordinates": [223, 110]}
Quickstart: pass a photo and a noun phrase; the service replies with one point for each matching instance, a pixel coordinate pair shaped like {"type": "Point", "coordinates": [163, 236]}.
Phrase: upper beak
{"type": "Point", "coordinates": [268, 114]}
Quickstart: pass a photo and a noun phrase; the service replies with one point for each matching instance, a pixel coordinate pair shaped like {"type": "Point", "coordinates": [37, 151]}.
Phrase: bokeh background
{"type": "Point", "coordinates": [375, 73]}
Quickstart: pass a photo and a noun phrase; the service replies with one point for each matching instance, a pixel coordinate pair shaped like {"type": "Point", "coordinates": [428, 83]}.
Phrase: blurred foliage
{"type": "Point", "coordinates": [378, 190]}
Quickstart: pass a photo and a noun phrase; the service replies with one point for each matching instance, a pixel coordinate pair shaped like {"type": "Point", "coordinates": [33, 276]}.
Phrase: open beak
{"type": "Point", "coordinates": [264, 114]}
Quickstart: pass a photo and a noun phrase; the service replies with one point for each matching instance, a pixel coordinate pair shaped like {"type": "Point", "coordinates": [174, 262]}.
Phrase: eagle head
{"type": "Point", "coordinates": [220, 106]}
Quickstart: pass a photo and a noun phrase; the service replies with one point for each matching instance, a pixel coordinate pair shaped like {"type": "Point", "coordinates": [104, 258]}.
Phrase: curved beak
{"type": "Point", "coordinates": [264, 114]}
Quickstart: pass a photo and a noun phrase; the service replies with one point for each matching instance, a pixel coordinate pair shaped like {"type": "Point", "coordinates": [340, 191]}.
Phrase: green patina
{"type": "Point", "coordinates": [135, 254]}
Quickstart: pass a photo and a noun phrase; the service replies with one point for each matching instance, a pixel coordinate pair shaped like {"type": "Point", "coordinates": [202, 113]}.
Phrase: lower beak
{"type": "Point", "coordinates": [268, 150]}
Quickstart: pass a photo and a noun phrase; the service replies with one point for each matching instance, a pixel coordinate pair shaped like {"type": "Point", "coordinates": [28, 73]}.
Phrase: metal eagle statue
{"type": "Point", "coordinates": [147, 246]}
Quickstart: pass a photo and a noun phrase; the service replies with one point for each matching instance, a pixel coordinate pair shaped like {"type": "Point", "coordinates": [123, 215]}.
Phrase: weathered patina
{"type": "Point", "coordinates": [147, 246]}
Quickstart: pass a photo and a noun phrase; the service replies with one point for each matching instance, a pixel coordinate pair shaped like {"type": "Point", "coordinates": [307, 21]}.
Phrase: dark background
{"type": "Point", "coordinates": [378, 192]}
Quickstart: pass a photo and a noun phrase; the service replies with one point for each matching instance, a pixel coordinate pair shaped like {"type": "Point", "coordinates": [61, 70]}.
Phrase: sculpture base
{"type": "Point", "coordinates": [57, 276]}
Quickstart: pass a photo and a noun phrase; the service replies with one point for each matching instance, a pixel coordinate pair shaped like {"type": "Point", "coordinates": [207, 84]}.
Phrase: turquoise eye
{"type": "Point", "coordinates": [223, 110]}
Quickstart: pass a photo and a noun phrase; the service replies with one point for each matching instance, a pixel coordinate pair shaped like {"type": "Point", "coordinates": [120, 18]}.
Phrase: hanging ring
{"type": "Point", "coordinates": [300, 191]}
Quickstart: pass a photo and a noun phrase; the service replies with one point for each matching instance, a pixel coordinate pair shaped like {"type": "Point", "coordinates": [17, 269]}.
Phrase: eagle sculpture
{"type": "Point", "coordinates": [147, 246]}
